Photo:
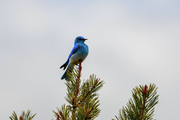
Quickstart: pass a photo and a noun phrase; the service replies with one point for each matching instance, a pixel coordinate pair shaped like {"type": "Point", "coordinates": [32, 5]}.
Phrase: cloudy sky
{"type": "Point", "coordinates": [131, 43]}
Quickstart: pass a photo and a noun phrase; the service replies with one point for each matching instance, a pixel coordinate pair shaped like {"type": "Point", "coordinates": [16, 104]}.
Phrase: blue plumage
{"type": "Point", "coordinates": [79, 52]}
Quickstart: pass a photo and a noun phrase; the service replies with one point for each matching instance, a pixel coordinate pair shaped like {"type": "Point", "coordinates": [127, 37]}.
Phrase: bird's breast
{"type": "Point", "coordinates": [81, 53]}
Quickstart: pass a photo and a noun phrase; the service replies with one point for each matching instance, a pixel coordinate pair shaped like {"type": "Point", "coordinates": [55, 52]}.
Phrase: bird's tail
{"type": "Point", "coordinates": [68, 73]}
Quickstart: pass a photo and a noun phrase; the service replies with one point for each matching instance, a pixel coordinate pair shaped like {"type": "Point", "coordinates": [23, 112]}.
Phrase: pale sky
{"type": "Point", "coordinates": [131, 43]}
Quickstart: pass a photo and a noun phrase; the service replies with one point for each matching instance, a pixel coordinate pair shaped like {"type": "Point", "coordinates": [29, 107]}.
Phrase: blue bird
{"type": "Point", "coordinates": [78, 53]}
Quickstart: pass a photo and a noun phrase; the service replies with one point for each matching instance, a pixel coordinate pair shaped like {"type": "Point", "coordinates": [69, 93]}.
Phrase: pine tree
{"type": "Point", "coordinates": [141, 107]}
{"type": "Point", "coordinates": [82, 98]}
{"type": "Point", "coordinates": [24, 116]}
{"type": "Point", "coordinates": [83, 102]}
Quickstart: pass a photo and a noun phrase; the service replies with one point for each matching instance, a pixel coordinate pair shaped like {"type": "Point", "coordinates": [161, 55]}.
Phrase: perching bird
{"type": "Point", "coordinates": [78, 53]}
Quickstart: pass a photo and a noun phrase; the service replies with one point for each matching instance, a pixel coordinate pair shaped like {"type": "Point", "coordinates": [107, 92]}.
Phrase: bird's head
{"type": "Point", "coordinates": [79, 39]}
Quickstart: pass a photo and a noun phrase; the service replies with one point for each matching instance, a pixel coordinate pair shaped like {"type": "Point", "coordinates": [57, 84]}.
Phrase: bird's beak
{"type": "Point", "coordinates": [85, 39]}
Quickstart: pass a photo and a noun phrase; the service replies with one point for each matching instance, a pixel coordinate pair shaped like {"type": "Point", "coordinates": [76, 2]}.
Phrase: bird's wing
{"type": "Point", "coordinates": [64, 65]}
{"type": "Point", "coordinates": [74, 50]}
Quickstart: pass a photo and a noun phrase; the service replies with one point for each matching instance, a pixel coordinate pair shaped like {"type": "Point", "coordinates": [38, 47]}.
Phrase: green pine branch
{"type": "Point", "coordinates": [82, 98]}
{"type": "Point", "coordinates": [141, 107]}
{"type": "Point", "coordinates": [24, 116]}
